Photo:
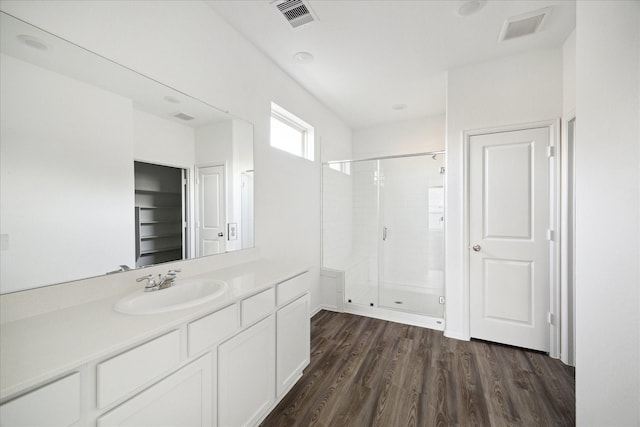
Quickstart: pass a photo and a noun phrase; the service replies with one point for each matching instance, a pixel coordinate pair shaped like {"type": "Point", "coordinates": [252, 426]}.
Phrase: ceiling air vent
{"type": "Point", "coordinates": [183, 116]}
{"type": "Point", "coordinates": [296, 12]}
{"type": "Point", "coordinates": [523, 25]}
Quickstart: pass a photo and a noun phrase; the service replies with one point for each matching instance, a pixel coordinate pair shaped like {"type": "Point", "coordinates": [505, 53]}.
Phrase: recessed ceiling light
{"type": "Point", "coordinates": [399, 107]}
{"type": "Point", "coordinates": [469, 7]}
{"type": "Point", "coordinates": [33, 42]}
{"type": "Point", "coordinates": [172, 99]}
{"type": "Point", "coordinates": [303, 57]}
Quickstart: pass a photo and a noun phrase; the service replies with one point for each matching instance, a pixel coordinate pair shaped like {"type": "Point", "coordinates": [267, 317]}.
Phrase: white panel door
{"type": "Point", "coordinates": [211, 219]}
{"type": "Point", "coordinates": [508, 225]}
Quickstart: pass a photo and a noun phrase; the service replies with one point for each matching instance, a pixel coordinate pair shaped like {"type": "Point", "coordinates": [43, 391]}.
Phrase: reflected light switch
{"type": "Point", "coordinates": [232, 231]}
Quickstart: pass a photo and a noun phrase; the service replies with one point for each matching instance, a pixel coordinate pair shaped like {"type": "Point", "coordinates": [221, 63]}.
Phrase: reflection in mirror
{"type": "Point", "coordinates": [103, 169]}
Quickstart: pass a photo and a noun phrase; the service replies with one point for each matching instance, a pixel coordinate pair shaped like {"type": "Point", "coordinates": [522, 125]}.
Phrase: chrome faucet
{"type": "Point", "coordinates": [151, 282]}
{"type": "Point", "coordinates": [162, 282]}
{"type": "Point", "coordinates": [167, 280]}
{"type": "Point", "coordinates": [123, 267]}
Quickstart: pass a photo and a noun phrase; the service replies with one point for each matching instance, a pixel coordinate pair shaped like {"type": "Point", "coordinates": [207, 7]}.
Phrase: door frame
{"type": "Point", "coordinates": [554, 223]}
{"type": "Point", "coordinates": [567, 326]}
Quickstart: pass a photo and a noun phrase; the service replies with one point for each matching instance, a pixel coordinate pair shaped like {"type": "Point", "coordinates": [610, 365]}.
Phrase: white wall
{"type": "Point", "coordinates": [71, 163]}
{"type": "Point", "coordinates": [519, 89]}
{"type": "Point", "coordinates": [569, 75]}
{"type": "Point", "coordinates": [208, 152]}
{"type": "Point", "coordinates": [337, 217]}
{"type": "Point", "coordinates": [608, 213]}
{"type": "Point", "coordinates": [405, 137]}
{"type": "Point", "coordinates": [163, 142]}
{"type": "Point", "coordinates": [188, 46]}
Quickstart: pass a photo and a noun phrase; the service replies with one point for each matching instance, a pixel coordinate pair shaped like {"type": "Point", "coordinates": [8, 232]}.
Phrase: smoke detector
{"type": "Point", "coordinates": [523, 25]}
{"type": "Point", "coordinates": [296, 12]}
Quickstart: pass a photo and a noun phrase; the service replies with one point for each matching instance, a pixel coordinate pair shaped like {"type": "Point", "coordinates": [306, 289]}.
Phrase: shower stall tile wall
{"type": "Point", "coordinates": [337, 218]}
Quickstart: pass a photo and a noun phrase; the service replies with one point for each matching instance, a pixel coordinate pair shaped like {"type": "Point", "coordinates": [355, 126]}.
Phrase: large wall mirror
{"type": "Point", "coordinates": [103, 169]}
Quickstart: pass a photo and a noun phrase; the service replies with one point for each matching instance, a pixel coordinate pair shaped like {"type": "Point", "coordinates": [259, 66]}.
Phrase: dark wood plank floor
{"type": "Point", "coordinates": [369, 372]}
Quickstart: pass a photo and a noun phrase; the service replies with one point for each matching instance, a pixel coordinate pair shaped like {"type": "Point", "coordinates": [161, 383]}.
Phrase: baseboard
{"type": "Point", "coordinates": [456, 336]}
{"type": "Point", "coordinates": [321, 307]}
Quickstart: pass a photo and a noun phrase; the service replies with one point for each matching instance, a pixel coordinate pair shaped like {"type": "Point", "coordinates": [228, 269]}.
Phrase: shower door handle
{"type": "Point", "coordinates": [384, 233]}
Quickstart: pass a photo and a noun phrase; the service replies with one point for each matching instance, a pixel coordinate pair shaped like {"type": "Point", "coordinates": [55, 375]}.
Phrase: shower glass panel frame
{"type": "Point", "coordinates": [383, 225]}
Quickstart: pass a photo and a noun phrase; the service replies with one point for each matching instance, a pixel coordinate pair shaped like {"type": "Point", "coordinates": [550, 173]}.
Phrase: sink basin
{"type": "Point", "coordinates": [183, 294]}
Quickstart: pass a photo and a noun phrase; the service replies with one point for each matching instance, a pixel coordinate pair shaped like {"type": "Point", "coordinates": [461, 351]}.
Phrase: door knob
{"type": "Point", "coordinates": [221, 234]}
{"type": "Point", "coordinates": [477, 248]}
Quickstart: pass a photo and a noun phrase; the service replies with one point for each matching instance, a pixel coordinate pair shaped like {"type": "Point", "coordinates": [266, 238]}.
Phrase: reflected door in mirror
{"type": "Point", "coordinates": [211, 218]}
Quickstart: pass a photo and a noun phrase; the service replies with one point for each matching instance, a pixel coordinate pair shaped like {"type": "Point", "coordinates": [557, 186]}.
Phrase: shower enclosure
{"type": "Point", "coordinates": [383, 227]}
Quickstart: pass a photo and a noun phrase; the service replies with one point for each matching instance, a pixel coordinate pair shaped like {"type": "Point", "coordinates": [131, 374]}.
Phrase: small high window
{"type": "Point", "coordinates": [291, 134]}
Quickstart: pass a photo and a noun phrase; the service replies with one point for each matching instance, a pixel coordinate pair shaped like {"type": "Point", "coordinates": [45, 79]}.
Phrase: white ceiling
{"type": "Point", "coordinates": [370, 55]}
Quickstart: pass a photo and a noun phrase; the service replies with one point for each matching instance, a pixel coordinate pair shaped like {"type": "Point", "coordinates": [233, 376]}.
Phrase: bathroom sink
{"type": "Point", "coordinates": [183, 294]}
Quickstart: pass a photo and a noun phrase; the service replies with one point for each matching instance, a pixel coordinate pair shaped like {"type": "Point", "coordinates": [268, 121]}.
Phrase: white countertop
{"type": "Point", "coordinates": [38, 348]}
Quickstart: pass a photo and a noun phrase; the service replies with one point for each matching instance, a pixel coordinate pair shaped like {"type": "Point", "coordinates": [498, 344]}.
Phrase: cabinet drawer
{"type": "Point", "coordinates": [258, 306]}
{"type": "Point", "coordinates": [292, 288]}
{"type": "Point", "coordinates": [183, 399]}
{"type": "Point", "coordinates": [209, 330]}
{"type": "Point", "coordinates": [124, 373]}
{"type": "Point", "coordinates": [56, 404]}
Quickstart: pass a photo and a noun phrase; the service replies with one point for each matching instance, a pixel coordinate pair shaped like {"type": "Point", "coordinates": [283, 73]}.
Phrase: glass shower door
{"type": "Point", "coordinates": [361, 276]}
{"type": "Point", "coordinates": [411, 234]}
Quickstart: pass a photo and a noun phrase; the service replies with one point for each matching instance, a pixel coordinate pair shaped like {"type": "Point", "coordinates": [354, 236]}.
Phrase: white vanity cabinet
{"type": "Point", "coordinates": [259, 365]}
{"type": "Point", "coordinates": [223, 368]}
{"type": "Point", "coordinates": [126, 372]}
{"type": "Point", "coordinates": [293, 343]}
{"type": "Point", "coordinates": [183, 399]}
{"type": "Point", "coordinates": [58, 404]}
{"type": "Point", "coordinates": [246, 375]}
{"type": "Point", "coordinates": [205, 333]}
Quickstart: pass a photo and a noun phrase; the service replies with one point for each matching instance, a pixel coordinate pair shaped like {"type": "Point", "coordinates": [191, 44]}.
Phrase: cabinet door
{"type": "Point", "coordinates": [183, 399]}
{"type": "Point", "coordinates": [293, 331]}
{"type": "Point", "coordinates": [58, 404]}
{"type": "Point", "coordinates": [246, 375]}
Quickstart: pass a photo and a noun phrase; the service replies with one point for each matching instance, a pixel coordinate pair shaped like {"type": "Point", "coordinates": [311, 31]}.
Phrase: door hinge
{"type": "Point", "coordinates": [550, 235]}
{"type": "Point", "coordinates": [551, 151]}
{"type": "Point", "coordinates": [550, 318]}
{"type": "Point", "coordinates": [441, 300]}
